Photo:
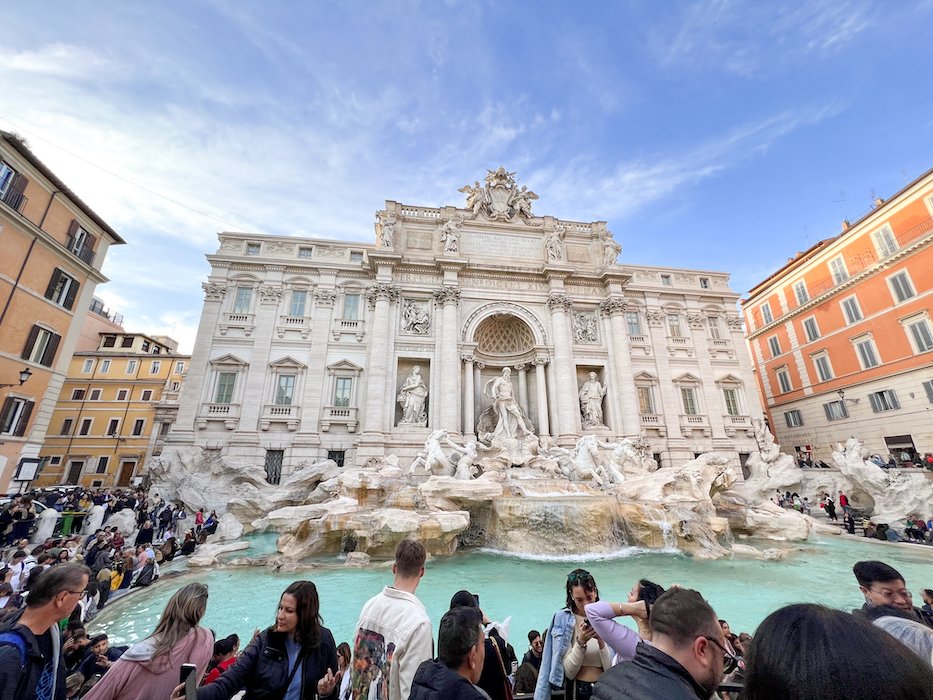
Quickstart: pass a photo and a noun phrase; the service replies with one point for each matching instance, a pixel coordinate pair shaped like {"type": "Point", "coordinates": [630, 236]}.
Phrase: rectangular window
{"type": "Point", "coordinates": [337, 456]}
{"type": "Point", "coordinates": [689, 398]}
{"type": "Point", "coordinates": [800, 291]}
{"type": "Point", "coordinates": [62, 289]}
{"type": "Point", "coordinates": [179, 368]}
{"type": "Point", "coordinates": [666, 281]}
{"type": "Point", "coordinates": [122, 394]}
{"type": "Point", "coordinates": [86, 424]}
{"type": "Point", "coordinates": [298, 301]}
{"type": "Point", "coordinates": [704, 283]}
{"type": "Point", "coordinates": [921, 335]}
{"type": "Point", "coordinates": [225, 383]}
{"type": "Point", "coordinates": [55, 460]}
{"type": "Point", "coordinates": [176, 386]}
{"type": "Point", "coordinates": [41, 346]}
{"type": "Point", "coordinates": [928, 388]}
{"type": "Point", "coordinates": [823, 369]}
{"type": "Point", "coordinates": [155, 367]}
{"type": "Point", "coordinates": [633, 321]}
{"type": "Point", "coordinates": [766, 312]}
{"type": "Point", "coordinates": [783, 377]}
{"type": "Point", "coordinates": [242, 300]}
{"type": "Point", "coordinates": [102, 463]}
{"type": "Point", "coordinates": [731, 397]}
{"type": "Point", "coordinates": [356, 256]}
{"type": "Point", "coordinates": [145, 346]}
{"type": "Point", "coordinates": [851, 310]}
{"type": "Point", "coordinates": [837, 266]}
{"type": "Point", "coordinates": [884, 401]}
{"type": "Point", "coordinates": [164, 428]}
{"type": "Point", "coordinates": [15, 416]}
{"type": "Point", "coordinates": [87, 367]}
{"type": "Point", "coordinates": [673, 326]}
{"type": "Point", "coordinates": [885, 242]}
{"type": "Point", "coordinates": [715, 330]}
{"type": "Point", "coordinates": [146, 395]}
{"type": "Point", "coordinates": [138, 425]}
{"type": "Point", "coordinates": [835, 410]}
{"type": "Point", "coordinates": [113, 427]}
{"type": "Point", "coordinates": [793, 419]}
{"type": "Point", "coordinates": [77, 394]}
{"type": "Point", "coordinates": [867, 355]}
{"type": "Point", "coordinates": [645, 400]}
{"type": "Point", "coordinates": [67, 425]}
{"type": "Point", "coordinates": [273, 465]}
{"type": "Point", "coordinates": [774, 345]}
{"type": "Point", "coordinates": [94, 395]}
{"type": "Point", "coordinates": [7, 174]}
{"type": "Point", "coordinates": [285, 390]}
{"type": "Point", "coordinates": [811, 329]}
{"type": "Point", "coordinates": [253, 248]}
{"type": "Point", "coordinates": [104, 366]}
{"type": "Point", "coordinates": [305, 252]}
{"type": "Point", "coordinates": [351, 307]}
{"type": "Point", "coordinates": [901, 287]}
{"type": "Point", "coordinates": [126, 341]}
{"type": "Point", "coordinates": [342, 391]}
{"type": "Point", "coordinates": [109, 341]}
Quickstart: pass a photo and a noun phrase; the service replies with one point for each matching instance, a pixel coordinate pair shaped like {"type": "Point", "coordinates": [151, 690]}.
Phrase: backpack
{"type": "Point", "coordinates": [10, 638]}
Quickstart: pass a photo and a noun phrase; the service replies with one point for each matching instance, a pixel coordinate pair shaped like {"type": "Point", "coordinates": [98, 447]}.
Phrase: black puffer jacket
{"type": "Point", "coordinates": [434, 681]}
{"type": "Point", "coordinates": [651, 675]}
{"type": "Point", "coordinates": [262, 669]}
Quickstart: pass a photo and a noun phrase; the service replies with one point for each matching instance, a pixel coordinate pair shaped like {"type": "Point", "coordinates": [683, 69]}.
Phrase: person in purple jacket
{"type": "Point", "coordinates": [621, 639]}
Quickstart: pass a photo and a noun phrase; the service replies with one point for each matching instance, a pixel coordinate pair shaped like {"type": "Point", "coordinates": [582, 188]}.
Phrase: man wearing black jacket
{"type": "Point", "coordinates": [460, 655]}
{"type": "Point", "coordinates": [685, 660]}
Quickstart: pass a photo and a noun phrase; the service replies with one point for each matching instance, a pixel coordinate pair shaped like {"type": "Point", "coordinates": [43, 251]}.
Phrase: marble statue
{"type": "Point", "coordinates": [554, 244]}
{"type": "Point", "coordinates": [466, 456]}
{"type": "Point", "coordinates": [387, 231]}
{"type": "Point", "coordinates": [767, 448]}
{"type": "Point", "coordinates": [611, 249]}
{"type": "Point", "coordinates": [411, 397]}
{"type": "Point", "coordinates": [584, 327]}
{"type": "Point", "coordinates": [416, 318]}
{"type": "Point", "coordinates": [510, 421]}
{"type": "Point", "coordinates": [432, 458]}
{"type": "Point", "coordinates": [476, 197]}
{"type": "Point", "coordinates": [629, 457]}
{"type": "Point", "coordinates": [450, 234]}
{"type": "Point", "coordinates": [591, 402]}
{"type": "Point", "coordinates": [521, 201]}
{"type": "Point", "coordinates": [500, 198]}
{"type": "Point", "coordinates": [584, 459]}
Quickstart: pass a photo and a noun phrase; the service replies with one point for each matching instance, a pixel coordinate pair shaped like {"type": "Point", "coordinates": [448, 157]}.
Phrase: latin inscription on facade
{"type": "Point", "coordinates": [476, 243]}
{"type": "Point", "coordinates": [420, 240]}
{"type": "Point", "coordinates": [578, 253]}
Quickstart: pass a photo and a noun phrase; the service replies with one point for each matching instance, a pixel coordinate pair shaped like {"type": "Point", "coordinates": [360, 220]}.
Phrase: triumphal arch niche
{"type": "Point", "coordinates": [482, 322]}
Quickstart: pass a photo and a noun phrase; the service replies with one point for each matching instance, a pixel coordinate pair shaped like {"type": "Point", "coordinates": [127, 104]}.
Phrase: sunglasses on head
{"type": "Point", "coordinates": [579, 577]}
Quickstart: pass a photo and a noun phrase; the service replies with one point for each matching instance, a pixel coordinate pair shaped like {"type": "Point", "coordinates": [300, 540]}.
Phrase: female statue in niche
{"type": "Point", "coordinates": [411, 397]}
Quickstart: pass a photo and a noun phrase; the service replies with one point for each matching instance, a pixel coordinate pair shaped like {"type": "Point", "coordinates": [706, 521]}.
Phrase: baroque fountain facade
{"type": "Point", "coordinates": [477, 376]}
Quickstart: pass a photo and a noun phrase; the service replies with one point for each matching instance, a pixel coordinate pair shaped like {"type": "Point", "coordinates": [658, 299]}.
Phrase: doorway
{"type": "Point", "coordinates": [75, 467]}
{"type": "Point", "coordinates": [127, 467]}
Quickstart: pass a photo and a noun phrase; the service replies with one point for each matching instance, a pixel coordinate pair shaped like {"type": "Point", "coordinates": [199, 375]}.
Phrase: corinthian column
{"type": "Point", "coordinates": [380, 296]}
{"type": "Point", "coordinates": [541, 396]}
{"type": "Point", "coordinates": [449, 298]}
{"type": "Point", "coordinates": [568, 417]}
{"type": "Point", "coordinates": [522, 386]}
{"type": "Point", "coordinates": [626, 395]}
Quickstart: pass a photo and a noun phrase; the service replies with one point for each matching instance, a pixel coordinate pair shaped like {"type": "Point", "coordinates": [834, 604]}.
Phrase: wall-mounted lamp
{"type": "Point", "coordinates": [24, 374]}
{"type": "Point", "coordinates": [842, 397]}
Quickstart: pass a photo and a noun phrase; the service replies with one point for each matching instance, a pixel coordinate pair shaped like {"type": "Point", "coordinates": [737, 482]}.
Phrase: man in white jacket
{"type": "Point", "coordinates": [393, 635]}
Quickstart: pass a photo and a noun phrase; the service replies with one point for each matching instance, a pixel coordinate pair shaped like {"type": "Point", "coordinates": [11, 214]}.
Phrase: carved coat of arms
{"type": "Point", "coordinates": [500, 198]}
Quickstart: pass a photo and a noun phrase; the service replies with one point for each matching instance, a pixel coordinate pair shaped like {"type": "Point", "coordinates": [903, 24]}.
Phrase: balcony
{"type": "Point", "coordinates": [679, 346]}
{"type": "Point", "coordinates": [339, 415]}
{"type": "Point", "coordinates": [15, 200]}
{"type": "Point", "coordinates": [640, 341]}
{"type": "Point", "coordinates": [229, 413]}
{"type": "Point", "coordinates": [80, 250]}
{"type": "Point", "coordinates": [734, 423]}
{"type": "Point", "coordinates": [239, 321]}
{"type": "Point", "coordinates": [654, 421]}
{"type": "Point", "coordinates": [277, 413]}
{"type": "Point", "coordinates": [298, 324]}
{"type": "Point", "coordinates": [691, 422]}
{"type": "Point", "coordinates": [351, 326]}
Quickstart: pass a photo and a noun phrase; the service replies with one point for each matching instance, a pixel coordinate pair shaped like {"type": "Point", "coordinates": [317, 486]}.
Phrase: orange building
{"type": "Point", "coordinates": [842, 337]}
{"type": "Point", "coordinates": [52, 247]}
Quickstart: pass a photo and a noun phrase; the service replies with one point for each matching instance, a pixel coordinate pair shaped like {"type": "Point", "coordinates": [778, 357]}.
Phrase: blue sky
{"type": "Point", "coordinates": [712, 134]}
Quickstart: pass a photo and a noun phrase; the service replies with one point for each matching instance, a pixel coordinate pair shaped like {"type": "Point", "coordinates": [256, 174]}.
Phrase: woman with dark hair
{"type": "Point", "coordinates": [293, 659]}
{"type": "Point", "coordinates": [344, 657]}
{"type": "Point", "coordinates": [620, 638]}
{"type": "Point", "coordinates": [811, 652]}
{"type": "Point", "coordinates": [149, 669]}
{"type": "Point", "coordinates": [574, 655]}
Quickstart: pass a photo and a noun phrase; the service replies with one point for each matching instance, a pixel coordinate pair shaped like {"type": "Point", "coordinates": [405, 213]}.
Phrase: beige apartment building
{"type": "Point", "coordinates": [53, 247]}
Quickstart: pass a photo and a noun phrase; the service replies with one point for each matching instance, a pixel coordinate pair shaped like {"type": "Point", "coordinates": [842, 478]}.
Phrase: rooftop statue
{"type": "Point", "coordinates": [500, 198]}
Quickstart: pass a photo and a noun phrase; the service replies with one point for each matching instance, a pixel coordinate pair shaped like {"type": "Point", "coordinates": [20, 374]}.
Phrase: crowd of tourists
{"type": "Point", "coordinates": [676, 648]}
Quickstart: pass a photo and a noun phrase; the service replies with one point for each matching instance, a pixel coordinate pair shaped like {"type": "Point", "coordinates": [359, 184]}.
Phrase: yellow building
{"type": "Point", "coordinates": [52, 247]}
{"type": "Point", "coordinates": [115, 408]}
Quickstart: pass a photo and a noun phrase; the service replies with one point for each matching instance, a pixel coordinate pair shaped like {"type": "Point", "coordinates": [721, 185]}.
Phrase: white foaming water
{"type": "Point", "coordinates": [623, 553]}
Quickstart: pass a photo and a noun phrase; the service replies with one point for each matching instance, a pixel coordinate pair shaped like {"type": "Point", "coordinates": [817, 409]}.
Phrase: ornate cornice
{"type": "Point", "coordinates": [382, 290]}
{"type": "Point", "coordinates": [655, 317]}
{"type": "Point", "coordinates": [324, 297]}
{"type": "Point", "coordinates": [613, 306]}
{"type": "Point", "coordinates": [696, 321]}
{"type": "Point", "coordinates": [269, 294]}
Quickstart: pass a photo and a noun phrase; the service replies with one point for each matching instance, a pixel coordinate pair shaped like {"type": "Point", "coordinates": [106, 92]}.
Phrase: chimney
{"type": "Point", "coordinates": [878, 202]}
{"type": "Point", "coordinates": [846, 225]}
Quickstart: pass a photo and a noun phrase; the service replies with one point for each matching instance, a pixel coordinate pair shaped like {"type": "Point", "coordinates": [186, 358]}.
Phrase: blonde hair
{"type": "Point", "coordinates": [182, 614]}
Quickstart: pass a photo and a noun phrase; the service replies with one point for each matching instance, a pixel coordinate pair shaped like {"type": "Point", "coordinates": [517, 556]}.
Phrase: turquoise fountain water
{"type": "Point", "coordinates": [530, 591]}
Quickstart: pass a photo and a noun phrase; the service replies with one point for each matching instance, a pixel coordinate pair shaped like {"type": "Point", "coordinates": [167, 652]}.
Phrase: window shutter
{"type": "Point", "coordinates": [53, 283]}
{"type": "Point", "coordinates": [49, 356]}
{"type": "Point", "coordinates": [892, 398]}
{"type": "Point", "coordinates": [73, 228]}
{"type": "Point", "coordinates": [30, 342]}
{"type": "Point", "coordinates": [90, 241]}
{"type": "Point", "coordinates": [875, 403]}
{"type": "Point", "coordinates": [787, 420]}
{"type": "Point", "coordinates": [24, 419]}
{"type": "Point", "coordinates": [5, 413]}
{"type": "Point", "coordinates": [842, 407]}
{"type": "Point", "coordinates": [72, 294]}
{"type": "Point", "coordinates": [828, 411]}
{"type": "Point", "coordinates": [928, 387]}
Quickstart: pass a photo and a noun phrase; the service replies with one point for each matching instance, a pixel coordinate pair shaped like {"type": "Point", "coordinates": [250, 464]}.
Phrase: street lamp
{"type": "Point", "coordinates": [24, 374]}
{"type": "Point", "coordinates": [842, 397]}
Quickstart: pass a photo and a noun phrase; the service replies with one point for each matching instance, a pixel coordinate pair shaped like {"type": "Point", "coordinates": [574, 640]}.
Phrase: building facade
{"type": "Point", "coordinates": [53, 246]}
{"type": "Point", "coordinates": [842, 336]}
{"type": "Point", "coordinates": [312, 348]}
{"type": "Point", "coordinates": [116, 407]}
